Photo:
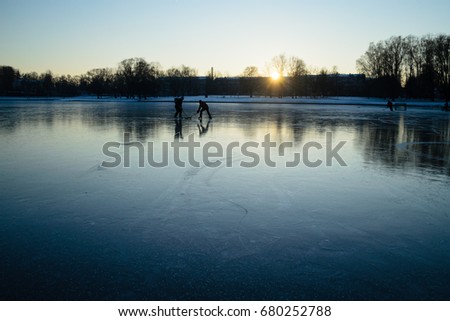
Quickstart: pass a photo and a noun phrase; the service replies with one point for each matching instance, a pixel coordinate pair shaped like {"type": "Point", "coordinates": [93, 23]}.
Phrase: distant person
{"type": "Point", "coordinates": [390, 105]}
{"type": "Point", "coordinates": [202, 106]}
{"type": "Point", "coordinates": [179, 106]}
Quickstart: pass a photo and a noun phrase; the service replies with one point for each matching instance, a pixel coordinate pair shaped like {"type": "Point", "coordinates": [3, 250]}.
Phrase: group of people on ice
{"type": "Point", "coordinates": [393, 106]}
{"type": "Point", "coordinates": [202, 106]}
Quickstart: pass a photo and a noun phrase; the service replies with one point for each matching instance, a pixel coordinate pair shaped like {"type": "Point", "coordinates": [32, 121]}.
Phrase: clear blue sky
{"type": "Point", "coordinates": [72, 37]}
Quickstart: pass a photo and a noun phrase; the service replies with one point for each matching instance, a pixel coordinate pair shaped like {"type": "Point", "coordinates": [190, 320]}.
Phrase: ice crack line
{"type": "Point", "coordinates": [242, 207]}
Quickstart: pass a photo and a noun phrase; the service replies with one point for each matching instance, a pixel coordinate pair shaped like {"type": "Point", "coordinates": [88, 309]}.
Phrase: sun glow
{"type": "Point", "coordinates": [275, 75]}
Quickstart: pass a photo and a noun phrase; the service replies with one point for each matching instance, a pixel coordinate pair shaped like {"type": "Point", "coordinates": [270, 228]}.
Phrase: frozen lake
{"type": "Point", "coordinates": [72, 229]}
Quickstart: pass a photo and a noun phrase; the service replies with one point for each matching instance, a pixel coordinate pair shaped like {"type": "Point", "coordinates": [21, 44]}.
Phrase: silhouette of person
{"type": "Point", "coordinates": [202, 106]}
{"type": "Point", "coordinates": [178, 106]}
{"type": "Point", "coordinates": [201, 129]}
{"type": "Point", "coordinates": [178, 129]}
{"type": "Point", "coordinates": [390, 105]}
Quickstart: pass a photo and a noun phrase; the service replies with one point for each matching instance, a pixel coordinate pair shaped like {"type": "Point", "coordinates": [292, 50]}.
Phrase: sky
{"type": "Point", "coordinates": [72, 37]}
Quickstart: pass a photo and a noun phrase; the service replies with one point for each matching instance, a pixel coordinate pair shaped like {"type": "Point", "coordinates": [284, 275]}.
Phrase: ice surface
{"type": "Point", "coordinates": [71, 228]}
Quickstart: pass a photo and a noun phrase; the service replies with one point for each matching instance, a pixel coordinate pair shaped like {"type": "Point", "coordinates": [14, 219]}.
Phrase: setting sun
{"type": "Point", "coordinates": [275, 75]}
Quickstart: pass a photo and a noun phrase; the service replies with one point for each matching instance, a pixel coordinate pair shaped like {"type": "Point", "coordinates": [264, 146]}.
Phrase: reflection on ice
{"type": "Point", "coordinates": [73, 229]}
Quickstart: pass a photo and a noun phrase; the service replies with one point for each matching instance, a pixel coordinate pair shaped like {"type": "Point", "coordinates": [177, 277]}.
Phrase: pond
{"type": "Point", "coordinates": [119, 201]}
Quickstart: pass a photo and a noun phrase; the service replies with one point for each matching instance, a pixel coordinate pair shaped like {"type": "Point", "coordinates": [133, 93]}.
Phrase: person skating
{"type": "Point", "coordinates": [179, 106]}
{"type": "Point", "coordinates": [202, 106]}
{"type": "Point", "coordinates": [390, 105]}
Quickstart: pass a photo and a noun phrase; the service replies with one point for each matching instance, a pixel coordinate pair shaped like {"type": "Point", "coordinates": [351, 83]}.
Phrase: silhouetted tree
{"type": "Point", "coordinates": [67, 86]}
{"type": "Point", "coordinates": [175, 81]}
{"type": "Point", "coordinates": [250, 71]}
{"type": "Point", "coordinates": [248, 81]}
{"type": "Point", "coordinates": [181, 80]}
{"type": "Point", "coordinates": [155, 78]}
{"type": "Point", "coordinates": [442, 64]}
{"type": "Point", "coordinates": [47, 84]}
{"type": "Point", "coordinates": [142, 77]}
{"type": "Point", "coordinates": [421, 64]}
{"type": "Point", "coordinates": [100, 81]}
{"type": "Point", "coordinates": [7, 77]}
{"type": "Point", "coordinates": [320, 83]}
{"type": "Point", "coordinates": [383, 61]}
{"type": "Point", "coordinates": [209, 83]}
{"type": "Point", "coordinates": [371, 63]}
{"type": "Point", "coordinates": [279, 65]}
{"type": "Point", "coordinates": [393, 57]}
{"type": "Point", "coordinates": [413, 57]}
{"type": "Point", "coordinates": [30, 84]}
{"type": "Point", "coordinates": [126, 77]}
{"type": "Point", "coordinates": [296, 70]}
{"type": "Point", "coordinates": [427, 75]}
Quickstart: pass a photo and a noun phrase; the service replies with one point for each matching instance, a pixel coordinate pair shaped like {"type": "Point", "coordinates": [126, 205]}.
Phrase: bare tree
{"type": "Point", "coordinates": [393, 57]}
{"type": "Point", "coordinates": [47, 83]}
{"type": "Point", "coordinates": [142, 77]}
{"type": "Point", "coordinates": [296, 67]}
{"type": "Point", "coordinates": [276, 69]}
{"type": "Point", "coordinates": [99, 80]}
{"type": "Point", "coordinates": [67, 85]}
{"type": "Point", "coordinates": [296, 70]}
{"type": "Point", "coordinates": [280, 63]}
{"type": "Point", "coordinates": [7, 77]}
{"type": "Point", "coordinates": [188, 71]}
{"type": "Point", "coordinates": [125, 77]}
{"type": "Point", "coordinates": [427, 74]}
{"type": "Point", "coordinates": [135, 76]}
{"type": "Point", "coordinates": [371, 63]}
{"type": "Point", "coordinates": [155, 73]}
{"type": "Point", "coordinates": [442, 64]}
{"type": "Point", "coordinates": [248, 81]}
{"type": "Point", "coordinates": [250, 71]}
{"type": "Point", "coordinates": [383, 63]}
{"type": "Point", "coordinates": [180, 80]}
{"type": "Point", "coordinates": [412, 59]}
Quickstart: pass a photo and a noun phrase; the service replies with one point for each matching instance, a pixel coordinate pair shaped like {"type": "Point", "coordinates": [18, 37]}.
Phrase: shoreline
{"type": "Point", "coordinates": [335, 101]}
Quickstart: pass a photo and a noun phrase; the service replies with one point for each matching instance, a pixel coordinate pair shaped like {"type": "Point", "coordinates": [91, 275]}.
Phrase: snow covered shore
{"type": "Point", "coordinates": [357, 101]}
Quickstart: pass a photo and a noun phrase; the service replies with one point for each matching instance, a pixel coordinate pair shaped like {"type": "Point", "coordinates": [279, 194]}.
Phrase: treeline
{"type": "Point", "coordinates": [412, 67]}
{"type": "Point", "coordinates": [136, 78]}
